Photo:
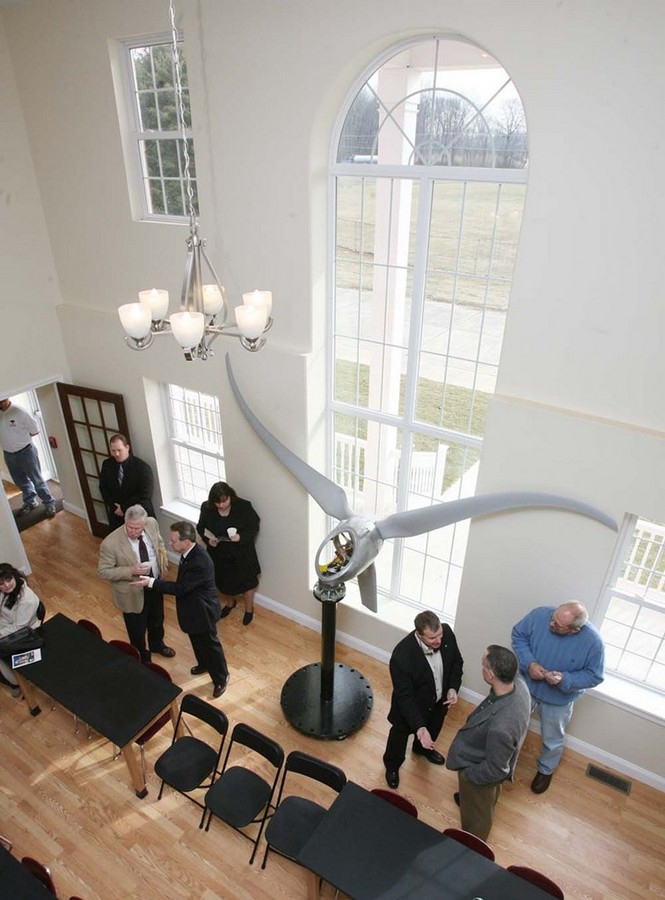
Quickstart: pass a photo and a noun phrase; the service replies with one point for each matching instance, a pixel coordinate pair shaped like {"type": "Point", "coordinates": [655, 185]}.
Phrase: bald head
{"type": "Point", "coordinates": [569, 618]}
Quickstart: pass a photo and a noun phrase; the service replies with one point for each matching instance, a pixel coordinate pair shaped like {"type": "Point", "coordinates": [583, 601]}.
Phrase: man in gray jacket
{"type": "Point", "coordinates": [484, 751]}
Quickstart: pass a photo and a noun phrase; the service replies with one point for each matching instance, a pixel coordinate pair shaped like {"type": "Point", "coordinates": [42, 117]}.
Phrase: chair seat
{"type": "Point", "coordinates": [186, 763]}
{"type": "Point", "coordinates": [238, 796]}
{"type": "Point", "coordinates": [292, 825]}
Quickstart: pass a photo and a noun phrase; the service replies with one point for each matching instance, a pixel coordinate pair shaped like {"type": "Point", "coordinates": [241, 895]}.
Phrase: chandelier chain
{"type": "Point", "coordinates": [181, 113]}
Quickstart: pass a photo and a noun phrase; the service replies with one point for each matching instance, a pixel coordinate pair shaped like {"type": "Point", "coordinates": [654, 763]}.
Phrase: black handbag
{"type": "Point", "coordinates": [25, 638]}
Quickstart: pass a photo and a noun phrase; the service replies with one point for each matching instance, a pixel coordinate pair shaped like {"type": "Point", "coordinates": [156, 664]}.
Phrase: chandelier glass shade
{"type": "Point", "coordinates": [205, 311]}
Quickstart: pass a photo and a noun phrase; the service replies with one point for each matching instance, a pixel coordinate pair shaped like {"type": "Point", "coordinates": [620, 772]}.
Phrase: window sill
{"type": "Point", "coordinates": [179, 510]}
{"type": "Point", "coordinates": [640, 700]}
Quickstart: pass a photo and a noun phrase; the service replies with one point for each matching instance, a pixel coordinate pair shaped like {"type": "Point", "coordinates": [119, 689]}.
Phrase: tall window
{"type": "Point", "coordinates": [429, 184]}
{"type": "Point", "coordinates": [633, 613]}
{"type": "Point", "coordinates": [196, 442]}
{"type": "Point", "coordinates": [155, 132]}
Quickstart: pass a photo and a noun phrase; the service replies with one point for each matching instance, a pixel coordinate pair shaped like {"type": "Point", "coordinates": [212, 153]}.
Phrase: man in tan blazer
{"type": "Point", "coordinates": [137, 549]}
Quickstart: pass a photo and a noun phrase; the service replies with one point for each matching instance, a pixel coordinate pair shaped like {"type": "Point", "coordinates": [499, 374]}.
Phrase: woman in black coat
{"type": "Point", "coordinates": [228, 527]}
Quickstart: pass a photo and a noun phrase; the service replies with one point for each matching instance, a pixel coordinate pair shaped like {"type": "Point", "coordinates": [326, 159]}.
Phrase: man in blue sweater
{"type": "Point", "coordinates": [561, 654]}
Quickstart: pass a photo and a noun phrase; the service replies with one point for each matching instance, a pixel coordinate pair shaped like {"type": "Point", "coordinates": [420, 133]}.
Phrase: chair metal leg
{"type": "Point", "coordinates": [142, 763]}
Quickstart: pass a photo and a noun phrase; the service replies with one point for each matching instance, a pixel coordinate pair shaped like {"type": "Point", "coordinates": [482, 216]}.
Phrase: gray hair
{"type": "Point", "coordinates": [580, 611]}
{"type": "Point", "coordinates": [135, 512]}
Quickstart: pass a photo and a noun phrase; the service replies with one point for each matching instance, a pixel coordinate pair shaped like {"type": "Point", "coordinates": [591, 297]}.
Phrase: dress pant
{"type": "Point", "coordinates": [399, 735]}
{"type": "Point", "coordinates": [209, 654]}
{"type": "Point", "coordinates": [477, 802]}
{"type": "Point", "coordinates": [150, 619]}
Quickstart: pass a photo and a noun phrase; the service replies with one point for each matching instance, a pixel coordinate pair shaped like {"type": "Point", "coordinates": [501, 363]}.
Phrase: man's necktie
{"type": "Point", "coordinates": [121, 474]}
{"type": "Point", "coordinates": [144, 556]}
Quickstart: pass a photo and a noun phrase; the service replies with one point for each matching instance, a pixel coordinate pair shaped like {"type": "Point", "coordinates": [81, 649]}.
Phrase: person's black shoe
{"type": "Point", "coordinates": [247, 618]}
{"type": "Point", "coordinates": [198, 670]}
{"type": "Point", "coordinates": [432, 755]}
{"type": "Point", "coordinates": [540, 783]}
{"type": "Point", "coordinates": [456, 797]}
{"type": "Point", "coordinates": [227, 609]}
{"type": "Point", "coordinates": [392, 778]}
{"type": "Point", "coordinates": [219, 689]}
{"type": "Point", "coordinates": [168, 652]}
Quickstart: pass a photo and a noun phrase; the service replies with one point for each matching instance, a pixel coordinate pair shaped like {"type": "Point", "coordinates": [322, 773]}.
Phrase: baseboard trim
{"type": "Point", "coordinates": [595, 754]}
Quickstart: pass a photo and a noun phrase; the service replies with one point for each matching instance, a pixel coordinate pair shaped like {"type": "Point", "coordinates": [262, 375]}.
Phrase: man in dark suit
{"type": "Point", "coordinates": [124, 481]}
{"type": "Point", "coordinates": [197, 604]}
{"type": "Point", "coordinates": [426, 672]}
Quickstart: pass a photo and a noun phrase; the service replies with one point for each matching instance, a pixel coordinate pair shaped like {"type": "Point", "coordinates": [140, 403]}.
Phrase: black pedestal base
{"type": "Point", "coordinates": [334, 719]}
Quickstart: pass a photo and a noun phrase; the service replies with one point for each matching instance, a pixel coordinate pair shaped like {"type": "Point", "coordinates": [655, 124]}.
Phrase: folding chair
{"type": "Point", "coordinates": [126, 647]}
{"type": "Point", "coordinates": [41, 872]}
{"type": "Point", "coordinates": [91, 627]}
{"type": "Point", "coordinates": [537, 878]}
{"type": "Point", "coordinates": [471, 841]}
{"type": "Point", "coordinates": [240, 796]}
{"type": "Point", "coordinates": [190, 761]}
{"type": "Point", "coordinates": [397, 800]}
{"type": "Point", "coordinates": [295, 817]}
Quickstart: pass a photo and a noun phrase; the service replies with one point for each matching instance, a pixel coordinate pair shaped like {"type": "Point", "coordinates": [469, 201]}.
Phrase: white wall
{"type": "Point", "coordinates": [579, 410]}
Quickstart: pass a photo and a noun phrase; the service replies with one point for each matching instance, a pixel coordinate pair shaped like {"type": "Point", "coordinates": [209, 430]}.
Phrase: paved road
{"type": "Point", "coordinates": [471, 328]}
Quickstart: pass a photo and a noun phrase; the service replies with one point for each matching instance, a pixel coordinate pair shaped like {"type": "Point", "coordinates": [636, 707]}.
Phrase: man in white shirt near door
{"type": "Point", "coordinates": [17, 429]}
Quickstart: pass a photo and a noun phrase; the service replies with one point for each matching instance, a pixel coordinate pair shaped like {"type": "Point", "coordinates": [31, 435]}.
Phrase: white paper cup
{"type": "Point", "coordinates": [231, 531]}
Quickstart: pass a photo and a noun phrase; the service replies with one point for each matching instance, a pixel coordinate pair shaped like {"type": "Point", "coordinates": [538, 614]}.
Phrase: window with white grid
{"type": "Point", "coordinates": [156, 154]}
{"type": "Point", "coordinates": [428, 185]}
{"type": "Point", "coordinates": [632, 620]}
{"type": "Point", "coordinates": [196, 442]}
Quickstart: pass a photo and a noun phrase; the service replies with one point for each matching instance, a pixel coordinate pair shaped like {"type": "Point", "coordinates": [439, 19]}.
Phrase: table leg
{"type": "Point", "coordinates": [138, 783]}
{"type": "Point", "coordinates": [313, 886]}
{"type": "Point", "coordinates": [29, 694]}
{"type": "Point", "coordinates": [174, 719]}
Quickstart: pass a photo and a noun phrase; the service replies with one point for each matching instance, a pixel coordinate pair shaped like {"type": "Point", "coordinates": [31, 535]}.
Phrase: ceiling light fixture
{"type": "Point", "coordinates": [204, 307]}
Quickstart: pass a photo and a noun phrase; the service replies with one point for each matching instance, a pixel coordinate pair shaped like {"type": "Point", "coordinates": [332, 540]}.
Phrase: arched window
{"type": "Point", "coordinates": [429, 180]}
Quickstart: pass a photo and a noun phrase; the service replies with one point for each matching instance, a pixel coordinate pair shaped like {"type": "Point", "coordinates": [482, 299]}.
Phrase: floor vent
{"type": "Point", "coordinates": [619, 784]}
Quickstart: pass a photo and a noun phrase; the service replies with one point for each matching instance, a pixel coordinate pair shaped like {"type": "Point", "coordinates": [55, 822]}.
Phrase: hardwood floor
{"type": "Point", "coordinates": [67, 803]}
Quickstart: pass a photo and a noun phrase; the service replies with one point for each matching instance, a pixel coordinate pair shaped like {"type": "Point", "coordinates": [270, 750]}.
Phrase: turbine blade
{"type": "Point", "coordinates": [330, 496]}
{"type": "Point", "coordinates": [367, 585]}
{"type": "Point", "coordinates": [418, 521]}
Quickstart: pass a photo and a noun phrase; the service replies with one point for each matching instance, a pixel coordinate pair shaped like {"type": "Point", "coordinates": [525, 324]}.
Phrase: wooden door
{"type": "Point", "coordinates": [92, 418]}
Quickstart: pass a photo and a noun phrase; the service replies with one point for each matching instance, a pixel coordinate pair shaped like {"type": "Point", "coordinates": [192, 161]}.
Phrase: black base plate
{"type": "Point", "coordinates": [349, 708]}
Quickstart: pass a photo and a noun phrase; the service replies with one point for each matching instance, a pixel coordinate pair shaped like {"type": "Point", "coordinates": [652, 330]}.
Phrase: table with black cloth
{"type": "Point", "coordinates": [113, 693]}
{"type": "Point", "coordinates": [370, 849]}
{"type": "Point", "coordinates": [17, 882]}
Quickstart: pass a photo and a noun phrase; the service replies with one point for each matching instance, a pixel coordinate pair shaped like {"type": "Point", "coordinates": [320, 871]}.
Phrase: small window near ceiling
{"type": "Point", "coordinates": [633, 619]}
{"type": "Point", "coordinates": [155, 149]}
{"type": "Point", "coordinates": [196, 442]}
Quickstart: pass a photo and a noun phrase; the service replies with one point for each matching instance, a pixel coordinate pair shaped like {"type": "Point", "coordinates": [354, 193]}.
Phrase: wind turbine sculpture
{"type": "Point", "coordinates": [327, 700]}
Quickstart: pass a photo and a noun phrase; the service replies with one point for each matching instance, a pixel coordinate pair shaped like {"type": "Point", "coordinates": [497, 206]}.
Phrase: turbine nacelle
{"type": "Point", "coordinates": [347, 551]}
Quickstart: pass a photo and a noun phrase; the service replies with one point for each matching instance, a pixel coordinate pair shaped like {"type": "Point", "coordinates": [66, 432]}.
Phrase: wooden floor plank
{"type": "Point", "coordinates": [66, 801]}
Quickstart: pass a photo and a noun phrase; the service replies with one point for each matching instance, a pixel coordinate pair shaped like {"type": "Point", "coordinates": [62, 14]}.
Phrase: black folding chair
{"type": "Point", "coordinates": [190, 761]}
{"type": "Point", "coordinates": [242, 797]}
{"type": "Point", "coordinates": [296, 817]}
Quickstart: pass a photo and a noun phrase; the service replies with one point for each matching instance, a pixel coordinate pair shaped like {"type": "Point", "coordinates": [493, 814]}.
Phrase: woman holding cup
{"type": "Point", "coordinates": [228, 526]}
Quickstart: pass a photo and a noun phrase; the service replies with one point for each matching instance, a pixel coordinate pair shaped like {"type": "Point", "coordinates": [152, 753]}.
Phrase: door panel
{"type": "Point", "coordinates": [92, 417]}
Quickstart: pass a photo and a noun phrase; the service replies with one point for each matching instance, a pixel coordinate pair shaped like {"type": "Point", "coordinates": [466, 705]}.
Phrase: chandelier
{"type": "Point", "coordinates": [205, 311]}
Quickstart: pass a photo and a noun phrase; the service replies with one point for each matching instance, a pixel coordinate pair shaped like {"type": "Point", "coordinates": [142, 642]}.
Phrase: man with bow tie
{"type": "Point", "coordinates": [426, 672]}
